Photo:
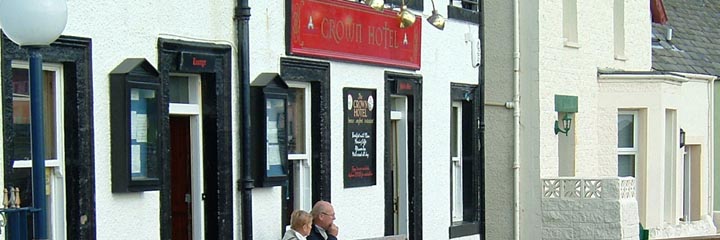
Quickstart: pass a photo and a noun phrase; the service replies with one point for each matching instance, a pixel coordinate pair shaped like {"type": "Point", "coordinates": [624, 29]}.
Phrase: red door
{"type": "Point", "coordinates": [180, 177]}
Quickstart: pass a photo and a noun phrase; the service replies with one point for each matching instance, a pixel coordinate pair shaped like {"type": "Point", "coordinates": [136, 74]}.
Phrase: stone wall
{"type": "Point", "coordinates": [589, 208]}
{"type": "Point", "coordinates": [702, 227]}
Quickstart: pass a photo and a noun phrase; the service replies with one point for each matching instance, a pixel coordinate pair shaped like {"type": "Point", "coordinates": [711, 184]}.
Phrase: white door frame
{"type": "Point", "coordinates": [54, 168]}
{"type": "Point", "coordinates": [305, 160]}
{"type": "Point", "coordinates": [194, 111]}
{"type": "Point", "coordinates": [398, 116]}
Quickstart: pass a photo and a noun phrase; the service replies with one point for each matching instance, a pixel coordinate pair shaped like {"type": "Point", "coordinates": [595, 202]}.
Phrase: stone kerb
{"type": "Point", "coordinates": [589, 208]}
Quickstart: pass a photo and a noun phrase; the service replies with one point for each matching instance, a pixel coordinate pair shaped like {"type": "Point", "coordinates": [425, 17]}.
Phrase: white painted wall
{"type": "Point", "coordinates": [691, 97]}
{"type": "Point", "coordinates": [573, 71]}
{"type": "Point", "coordinates": [696, 120]}
{"type": "Point", "coordinates": [122, 30]}
{"type": "Point", "coordinates": [360, 211]}
{"type": "Point", "coordinates": [652, 98]}
{"type": "Point", "coordinates": [126, 29]}
{"type": "Point", "coordinates": [129, 29]}
{"type": "Point", "coordinates": [550, 68]}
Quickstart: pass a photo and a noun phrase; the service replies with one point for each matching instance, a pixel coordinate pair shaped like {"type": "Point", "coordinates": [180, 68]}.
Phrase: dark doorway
{"type": "Point", "coordinates": [403, 155]}
{"type": "Point", "coordinates": [180, 177]}
{"type": "Point", "coordinates": [215, 195]}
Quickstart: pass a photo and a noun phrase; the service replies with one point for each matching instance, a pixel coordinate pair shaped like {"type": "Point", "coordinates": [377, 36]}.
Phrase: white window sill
{"type": "Point", "coordinates": [28, 163]}
{"type": "Point", "coordinates": [571, 44]}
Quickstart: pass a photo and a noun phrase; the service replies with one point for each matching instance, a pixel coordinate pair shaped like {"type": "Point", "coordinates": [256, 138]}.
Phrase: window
{"type": "Point", "coordinates": [54, 144]}
{"type": "Point", "coordinates": [570, 31]}
{"type": "Point", "coordinates": [671, 146]}
{"type": "Point", "coordinates": [414, 4]}
{"type": "Point", "coordinates": [456, 162]}
{"type": "Point", "coordinates": [627, 143]}
{"type": "Point", "coordinates": [466, 4]}
{"type": "Point", "coordinates": [692, 181]}
{"type": "Point", "coordinates": [466, 179]}
{"type": "Point", "coordinates": [466, 10]}
{"type": "Point", "coordinates": [619, 28]}
{"type": "Point", "coordinates": [299, 147]}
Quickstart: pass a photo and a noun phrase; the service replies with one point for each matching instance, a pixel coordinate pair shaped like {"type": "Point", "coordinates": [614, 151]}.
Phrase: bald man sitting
{"type": "Point", "coordinates": [323, 217]}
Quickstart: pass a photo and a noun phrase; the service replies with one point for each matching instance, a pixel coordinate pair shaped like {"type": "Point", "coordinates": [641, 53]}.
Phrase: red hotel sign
{"type": "Point", "coordinates": [350, 31]}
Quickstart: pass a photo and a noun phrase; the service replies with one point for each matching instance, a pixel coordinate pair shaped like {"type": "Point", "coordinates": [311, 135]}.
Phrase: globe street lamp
{"type": "Point", "coordinates": [33, 24]}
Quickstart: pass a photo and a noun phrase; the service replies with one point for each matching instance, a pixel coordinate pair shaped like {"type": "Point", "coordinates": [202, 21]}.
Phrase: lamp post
{"type": "Point", "coordinates": [33, 24]}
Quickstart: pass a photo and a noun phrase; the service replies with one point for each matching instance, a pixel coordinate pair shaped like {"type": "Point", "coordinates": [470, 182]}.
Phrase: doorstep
{"type": "Point", "coordinates": [716, 236]}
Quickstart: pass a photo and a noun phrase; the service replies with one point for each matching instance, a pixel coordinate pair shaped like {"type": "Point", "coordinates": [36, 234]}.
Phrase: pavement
{"type": "Point", "coordinates": [717, 236]}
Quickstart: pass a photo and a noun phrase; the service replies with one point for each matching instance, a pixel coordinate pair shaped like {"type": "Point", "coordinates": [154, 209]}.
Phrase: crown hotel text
{"type": "Point", "coordinates": [351, 32]}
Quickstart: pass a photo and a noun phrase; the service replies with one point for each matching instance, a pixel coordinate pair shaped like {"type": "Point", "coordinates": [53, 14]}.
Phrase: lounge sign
{"type": "Point", "coordinates": [196, 62]}
{"type": "Point", "coordinates": [351, 31]}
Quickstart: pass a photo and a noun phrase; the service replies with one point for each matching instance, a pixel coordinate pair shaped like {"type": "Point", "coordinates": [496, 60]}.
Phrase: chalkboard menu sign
{"type": "Point", "coordinates": [359, 137]}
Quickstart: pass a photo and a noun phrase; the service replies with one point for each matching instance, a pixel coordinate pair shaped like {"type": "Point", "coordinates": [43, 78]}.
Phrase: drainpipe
{"type": "Point", "coordinates": [516, 119]}
{"type": "Point", "coordinates": [711, 142]}
{"type": "Point", "coordinates": [242, 19]}
{"type": "Point", "coordinates": [481, 109]}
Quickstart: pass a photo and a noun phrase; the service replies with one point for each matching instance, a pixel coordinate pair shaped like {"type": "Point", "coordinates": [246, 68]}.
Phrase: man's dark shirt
{"type": "Point", "coordinates": [316, 235]}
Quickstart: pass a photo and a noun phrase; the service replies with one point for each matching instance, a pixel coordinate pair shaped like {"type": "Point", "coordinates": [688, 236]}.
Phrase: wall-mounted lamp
{"type": "Point", "coordinates": [407, 19]}
{"type": "Point", "coordinates": [567, 105]}
{"type": "Point", "coordinates": [436, 19]}
{"type": "Point", "coordinates": [566, 124]}
{"type": "Point", "coordinates": [376, 4]}
{"type": "Point", "coordinates": [682, 138]}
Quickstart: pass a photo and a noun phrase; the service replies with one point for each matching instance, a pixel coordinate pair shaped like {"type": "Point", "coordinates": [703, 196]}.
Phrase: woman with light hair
{"type": "Point", "coordinates": [300, 225]}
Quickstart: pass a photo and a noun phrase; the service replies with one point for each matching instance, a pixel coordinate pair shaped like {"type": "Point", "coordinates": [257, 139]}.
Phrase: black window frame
{"type": "Point", "coordinates": [414, 4]}
{"type": "Point", "coordinates": [473, 165]}
{"type": "Point", "coordinates": [465, 12]}
{"type": "Point", "coordinates": [317, 73]}
{"type": "Point", "coordinates": [75, 55]}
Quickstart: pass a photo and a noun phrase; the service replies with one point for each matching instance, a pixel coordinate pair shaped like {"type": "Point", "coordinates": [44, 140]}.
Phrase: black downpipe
{"type": "Point", "coordinates": [242, 19]}
{"type": "Point", "coordinates": [481, 117]}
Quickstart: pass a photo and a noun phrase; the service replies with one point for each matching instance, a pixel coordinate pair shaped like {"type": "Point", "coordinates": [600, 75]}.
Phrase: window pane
{"type": "Point", "coordinates": [275, 128]}
{"type": "Point", "coordinates": [21, 114]}
{"type": "Point", "coordinates": [301, 191]}
{"type": "Point", "coordinates": [179, 89]}
{"type": "Point", "coordinates": [457, 192]}
{"type": "Point", "coordinates": [626, 165]}
{"type": "Point", "coordinates": [296, 121]}
{"type": "Point", "coordinates": [454, 132]}
{"type": "Point", "coordinates": [143, 133]}
{"type": "Point", "coordinates": [21, 178]}
{"type": "Point", "coordinates": [626, 131]}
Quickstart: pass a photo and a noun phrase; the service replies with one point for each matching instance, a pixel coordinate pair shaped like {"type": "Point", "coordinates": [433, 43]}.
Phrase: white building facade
{"type": "Point", "coordinates": [179, 169]}
{"type": "Point", "coordinates": [626, 120]}
{"type": "Point", "coordinates": [430, 174]}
